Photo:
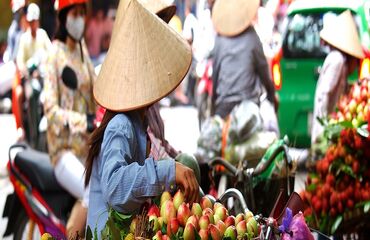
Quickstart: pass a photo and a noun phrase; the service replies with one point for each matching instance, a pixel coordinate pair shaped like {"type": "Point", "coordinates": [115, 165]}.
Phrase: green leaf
{"type": "Point", "coordinates": [336, 224]}
{"type": "Point", "coordinates": [367, 207]}
{"type": "Point", "coordinates": [311, 187]}
{"type": "Point", "coordinates": [96, 237]}
{"type": "Point", "coordinates": [116, 235]}
{"type": "Point", "coordinates": [122, 216]}
{"type": "Point", "coordinates": [164, 228]}
{"type": "Point", "coordinates": [362, 131]}
{"type": "Point", "coordinates": [89, 235]}
{"type": "Point", "coordinates": [197, 236]}
{"type": "Point", "coordinates": [347, 170]}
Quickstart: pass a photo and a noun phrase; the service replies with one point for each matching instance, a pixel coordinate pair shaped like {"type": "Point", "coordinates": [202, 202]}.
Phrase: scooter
{"type": "Point", "coordinates": [38, 204]}
{"type": "Point", "coordinates": [204, 88]}
{"type": "Point", "coordinates": [38, 199]}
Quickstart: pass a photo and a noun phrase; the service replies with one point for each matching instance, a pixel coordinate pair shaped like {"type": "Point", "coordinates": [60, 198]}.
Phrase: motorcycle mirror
{"type": "Point", "coordinates": [69, 78]}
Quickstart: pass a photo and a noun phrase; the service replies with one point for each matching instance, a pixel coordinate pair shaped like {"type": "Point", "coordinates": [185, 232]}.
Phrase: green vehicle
{"type": "Point", "coordinates": [296, 68]}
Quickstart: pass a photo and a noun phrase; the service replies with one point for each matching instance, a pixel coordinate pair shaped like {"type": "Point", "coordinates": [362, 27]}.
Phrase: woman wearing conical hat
{"type": "Point", "coordinates": [240, 69]}
{"type": "Point", "coordinates": [145, 62]}
{"type": "Point", "coordinates": [345, 50]}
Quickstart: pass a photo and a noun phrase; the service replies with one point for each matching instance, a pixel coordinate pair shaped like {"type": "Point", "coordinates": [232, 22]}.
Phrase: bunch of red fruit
{"type": "Point", "coordinates": [202, 220]}
{"type": "Point", "coordinates": [355, 106]}
{"type": "Point", "coordinates": [341, 181]}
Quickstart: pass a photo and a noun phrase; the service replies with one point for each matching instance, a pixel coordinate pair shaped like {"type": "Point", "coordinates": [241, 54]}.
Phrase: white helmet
{"type": "Point", "coordinates": [33, 12]}
{"type": "Point", "coordinates": [17, 4]}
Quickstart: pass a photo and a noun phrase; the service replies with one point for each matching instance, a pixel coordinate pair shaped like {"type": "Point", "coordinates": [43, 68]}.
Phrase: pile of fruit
{"type": "Point", "coordinates": [175, 219]}
{"type": "Point", "coordinates": [340, 186]}
{"type": "Point", "coordinates": [354, 107]}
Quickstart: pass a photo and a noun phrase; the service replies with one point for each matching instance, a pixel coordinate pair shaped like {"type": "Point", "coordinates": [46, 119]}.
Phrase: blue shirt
{"type": "Point", "coordinates": [122, 177]}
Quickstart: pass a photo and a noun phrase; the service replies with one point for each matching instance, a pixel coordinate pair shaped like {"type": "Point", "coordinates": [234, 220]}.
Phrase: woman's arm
{"type": "Point", "coordinates": [126, 185]}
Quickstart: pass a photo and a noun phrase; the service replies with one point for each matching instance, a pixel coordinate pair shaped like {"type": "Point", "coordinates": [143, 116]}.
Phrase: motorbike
{"type": "Point", "coordinates": [38, 200]}
{"type": "Point", "coordinates": [203, 90]}
{"type": "Point", "coordinates": [27, 105]}
{"type": "Point", "coordinates": [38, 204]}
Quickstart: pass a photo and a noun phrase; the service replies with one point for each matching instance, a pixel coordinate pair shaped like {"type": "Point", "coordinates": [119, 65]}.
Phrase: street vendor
{"type": "Point", "coordinates": [341, 35]}
{"type": "Point", "coordinates": [145, 62]}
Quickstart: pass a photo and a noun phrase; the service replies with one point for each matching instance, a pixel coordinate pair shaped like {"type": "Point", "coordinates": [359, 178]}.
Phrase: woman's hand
{"type": "Point", "coordinates": [186, 180]}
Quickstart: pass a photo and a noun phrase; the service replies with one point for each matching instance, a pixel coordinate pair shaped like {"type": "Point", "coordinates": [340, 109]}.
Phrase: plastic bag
{"type": "Point", "coordinates": [245, 120]}
{"type": "Point", "coordinates": [209, 141]}
{"type": "Point", "coordinates": [251, 150]}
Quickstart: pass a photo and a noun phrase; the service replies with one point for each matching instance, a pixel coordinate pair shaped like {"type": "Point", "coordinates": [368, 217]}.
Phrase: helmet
{"type": "Point", "coordinates": [33, 12]}
{"type": "Point", "coordinates": [17, 4]}
{"type": "Point", "coordinates": [61, 4]}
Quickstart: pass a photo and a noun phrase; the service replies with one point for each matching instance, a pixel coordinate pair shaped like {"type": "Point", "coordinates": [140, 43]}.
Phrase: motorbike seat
{"type": "Point", "coordinates": [36, 166]}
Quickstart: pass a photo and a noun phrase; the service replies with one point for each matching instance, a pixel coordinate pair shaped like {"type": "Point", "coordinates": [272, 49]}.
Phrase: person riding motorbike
{"type": "Point", "coordinates": [119, 169]}
{"type": "Point", "coordinates": [17, 27]}
{"type": "Point", "coordinates": [240, 69]}
{"type": "Point", "coordinates": [34, 43]}
{"type": "Point", "coordinates": [34, 46]}
{"type": "Point", "coordinates": [69, 112]}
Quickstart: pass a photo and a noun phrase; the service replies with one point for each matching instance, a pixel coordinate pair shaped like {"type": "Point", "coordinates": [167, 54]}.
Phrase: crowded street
{"type": "Point", "coordinates": [184, 119]}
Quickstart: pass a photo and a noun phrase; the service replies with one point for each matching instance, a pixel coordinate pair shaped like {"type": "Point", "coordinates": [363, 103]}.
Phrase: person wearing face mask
{"type": "Point", "coordinates": [69, 111]}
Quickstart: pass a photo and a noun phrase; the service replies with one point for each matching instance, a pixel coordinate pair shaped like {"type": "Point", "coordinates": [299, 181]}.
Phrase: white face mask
{"type": "Point", "coordinates": [75, 27]}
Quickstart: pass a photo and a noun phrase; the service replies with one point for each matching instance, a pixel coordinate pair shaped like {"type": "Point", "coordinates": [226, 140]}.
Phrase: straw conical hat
{"type": "Point", "coordinates": [162, 8]}
{"type": "Point", "coordinates": [342, 34]}
{"type": "Point", "coordinates": [232, 17]}
{"type": "Point", "coordinates": [146, 60]}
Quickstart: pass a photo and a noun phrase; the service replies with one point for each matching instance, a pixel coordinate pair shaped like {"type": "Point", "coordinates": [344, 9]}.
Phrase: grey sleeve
{"type": "Point", "coordinates": [262, 70]}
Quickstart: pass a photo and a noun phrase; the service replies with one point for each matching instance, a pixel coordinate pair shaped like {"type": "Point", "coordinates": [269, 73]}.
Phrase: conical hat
{"type": "Point", "coordinates": [232, 17]}
{"type": "Point", "coordinates": [146, 60]}
{"type": "Point", "coordinates": [162, 8]}
{"type": "Point", "coordinates": [342, 34]}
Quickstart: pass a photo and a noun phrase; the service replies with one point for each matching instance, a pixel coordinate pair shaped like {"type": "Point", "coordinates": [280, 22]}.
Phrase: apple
{"type": "Point", "coordinates": [154, 211]}
{"type": "Point", "coordinates": [164, 197]}
{"type": "Point", "coordinates": [157, 236]}
{"type": "Point", "coordinates": [172, 227]}
{"type": "Point", "coordinates": [204, 221]}
{"type": "Point", "coordinates": [222, 212]}
{"type": "Point", "coordinates": [205, 202]}
{"type": "Point", "coordinates": [194, 220]}
{"type": "Point", "coordinates": [165, 237]}
{"type": "Point", "coordinates": [209, 212]}
{"type": "Point", "coordinates": [154, 219]}
{"type": "Point", "coordinates": [252, 227]}
{"type": "Point", "coordinates": [239, 218]}
{"type": "Point", "coordinates": [214, 232]}
{"type": "Point", "coordinates": [241, 228]}
{"type": "Point", "coordinates": [248, 215]}
{"type": "Point", "coordinates": [352, 105]}
{"type": "Point", "coordinates": [178, 199]}
{"type": "Point", "coordinates": [216, 218]}
{"type": "Point", "coordinates": [168, 211]}
{"type": "Point", "coordinates": [217, 205]}
{"type": "Point", "coordinates": [221, 226]}
{"type": "Point", "coordinates": [203, 234]}
{"type": "Point", "coordinates": [183, 213]}
{"type": "Point", "coordinates": [230, 221]}
{"type": "Point", "coordinates": [230, 232]}
{"type": "Point", "coordinates": [189, 232]}
{"type": "Point", "coordinates": [196, 210]}
{"type": "Point", "coordinates": [133, 225]}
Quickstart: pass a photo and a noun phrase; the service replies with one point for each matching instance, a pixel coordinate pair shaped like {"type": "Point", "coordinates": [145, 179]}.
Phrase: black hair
{"type": "Point", "coordinates": [62, 33]}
